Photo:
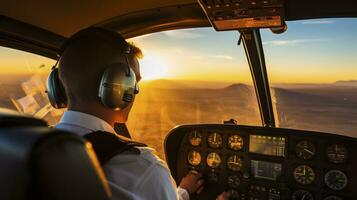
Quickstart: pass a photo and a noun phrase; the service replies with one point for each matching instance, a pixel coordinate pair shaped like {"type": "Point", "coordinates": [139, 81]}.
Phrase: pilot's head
{"type": "Point", "coordinates": [83, 61]}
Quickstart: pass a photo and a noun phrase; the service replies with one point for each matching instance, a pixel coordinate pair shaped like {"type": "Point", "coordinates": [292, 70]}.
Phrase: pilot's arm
{"type": "Point", "coordinates": [193, 183]}
{"type": "Point", "coordinates": [146, 177]}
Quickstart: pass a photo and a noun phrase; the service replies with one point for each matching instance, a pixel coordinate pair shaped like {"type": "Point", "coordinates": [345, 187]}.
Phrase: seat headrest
{"type": "Point", "coordinates": [10, 118]}
{"type": "Point", "coordinates": [41, 163]}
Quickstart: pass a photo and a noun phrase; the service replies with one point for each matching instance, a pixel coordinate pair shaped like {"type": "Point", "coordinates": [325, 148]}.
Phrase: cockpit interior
{"type": "Point", "coordinates": [259, 96]}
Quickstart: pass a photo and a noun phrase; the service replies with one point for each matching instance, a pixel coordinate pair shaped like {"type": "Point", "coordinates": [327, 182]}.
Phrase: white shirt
{"type": "Point", "coordinates": [130, 176]}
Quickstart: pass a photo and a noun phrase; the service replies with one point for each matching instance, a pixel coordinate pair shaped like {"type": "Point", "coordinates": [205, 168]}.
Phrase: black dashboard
{"type": "Point", "coordinates": [258, 163]}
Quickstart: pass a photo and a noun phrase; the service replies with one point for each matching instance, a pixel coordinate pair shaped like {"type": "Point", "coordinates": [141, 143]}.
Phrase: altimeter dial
{"type": "Point", "coordinates": [304, 174]}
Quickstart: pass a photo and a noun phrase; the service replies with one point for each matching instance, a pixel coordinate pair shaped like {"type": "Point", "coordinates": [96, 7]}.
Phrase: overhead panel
{"type": "Point", "coordinates": [243, 14]}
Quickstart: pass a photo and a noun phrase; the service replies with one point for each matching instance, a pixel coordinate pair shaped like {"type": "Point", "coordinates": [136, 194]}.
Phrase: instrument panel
{"type": "Point", "coordinates": [264, 163]}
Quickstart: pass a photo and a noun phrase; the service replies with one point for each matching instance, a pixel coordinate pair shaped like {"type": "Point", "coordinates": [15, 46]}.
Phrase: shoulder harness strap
{"type": "Point", "coordinates": [107, 145]}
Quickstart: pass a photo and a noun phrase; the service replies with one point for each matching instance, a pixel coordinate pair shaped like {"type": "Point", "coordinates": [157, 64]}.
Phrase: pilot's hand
{"type": "Point", "coordinates": [192, 182]}
{"type": "Point", "coordinates": [224, 196]}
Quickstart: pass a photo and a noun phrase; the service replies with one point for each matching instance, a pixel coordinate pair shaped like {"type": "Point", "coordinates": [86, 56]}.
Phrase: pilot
{"type": "Point", "coordinates": [130, 175]}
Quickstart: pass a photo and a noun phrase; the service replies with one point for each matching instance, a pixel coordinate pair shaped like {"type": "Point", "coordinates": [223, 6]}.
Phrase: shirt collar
{"type": "Point", "coordinates": [86, 121]}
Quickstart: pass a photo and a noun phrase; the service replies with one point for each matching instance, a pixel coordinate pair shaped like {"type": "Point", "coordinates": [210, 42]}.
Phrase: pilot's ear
{"type": "Point", "coordinates": [134, 62]}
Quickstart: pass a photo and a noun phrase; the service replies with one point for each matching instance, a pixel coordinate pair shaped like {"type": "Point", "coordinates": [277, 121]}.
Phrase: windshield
{"type": "Point", "coordinates": [189, 76]}
{"type": "Point", "coordinates": [312, 70]}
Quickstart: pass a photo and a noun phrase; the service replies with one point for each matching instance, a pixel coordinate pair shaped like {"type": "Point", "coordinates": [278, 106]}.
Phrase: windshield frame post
{"type": "Point", "coordinates": [255, 55]}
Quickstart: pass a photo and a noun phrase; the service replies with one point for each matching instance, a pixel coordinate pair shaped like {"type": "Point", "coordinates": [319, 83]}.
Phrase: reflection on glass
{"type": "Point", "coordinates": [267, 145]}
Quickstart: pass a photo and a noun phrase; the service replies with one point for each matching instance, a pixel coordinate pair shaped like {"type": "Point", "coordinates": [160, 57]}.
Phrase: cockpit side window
{"type": "Point", "coordinates": [312, 70]}
{"type": "Point", "coordinates": [23, 84]}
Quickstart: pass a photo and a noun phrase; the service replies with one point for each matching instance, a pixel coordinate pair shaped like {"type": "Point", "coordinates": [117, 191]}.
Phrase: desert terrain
{"type": "Point", "coordinates": [165, 104]}
{"type": "Point", "coordinates": [159, 109]}
{"type": "Point", "coordinates": [322, 107]}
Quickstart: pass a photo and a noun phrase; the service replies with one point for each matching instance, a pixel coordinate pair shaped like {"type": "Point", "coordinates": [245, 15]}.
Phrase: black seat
{"type": "Point", "coordinates": [37, 162]}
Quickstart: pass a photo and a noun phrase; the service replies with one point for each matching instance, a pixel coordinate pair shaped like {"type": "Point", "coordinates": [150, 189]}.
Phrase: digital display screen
{"type": "Point", "coordinates": [265, 170]}
{"type": "Point", "coordinates": [267, 145]}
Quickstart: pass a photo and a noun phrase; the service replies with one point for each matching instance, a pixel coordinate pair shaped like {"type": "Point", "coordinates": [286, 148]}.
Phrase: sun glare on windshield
{"type": "Point", "coordinates": [153, 66]}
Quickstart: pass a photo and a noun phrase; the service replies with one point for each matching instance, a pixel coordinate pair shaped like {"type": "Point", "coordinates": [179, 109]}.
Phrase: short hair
{"type": "Point", "coordinates": [84, 57]}
{"type": "Point", "coordinates": [136, 51]}
{"type": "Point", "coordinates": [105, 35]}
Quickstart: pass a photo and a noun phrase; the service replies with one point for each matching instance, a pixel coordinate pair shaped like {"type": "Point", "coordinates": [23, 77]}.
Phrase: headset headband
{"type": "Point", "coordinates": [101, 33]}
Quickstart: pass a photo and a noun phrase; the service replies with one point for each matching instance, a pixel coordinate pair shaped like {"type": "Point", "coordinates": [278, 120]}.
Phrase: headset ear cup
{"type": "Point", "coordinates": [117, 86]}
{"type": "Point", "coordinates": [55, 90]}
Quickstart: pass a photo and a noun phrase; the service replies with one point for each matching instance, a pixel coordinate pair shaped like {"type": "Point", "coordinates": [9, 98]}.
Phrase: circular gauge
{"type": "Point", "coordinates": [233, 181]}
{"type": "Point", "coordinates": [215, 140]}
{"type": "Point", "coordinates": [213, 160]}
{"type": "Point", "coordinates": [302, 195]}
{"type": "Point", "coordinates": [333, 198]}
{"type": "Point", "coordinates": [336, 180]}
{"type": "Point", "coordinates": [194, 158]}
{"type": "Point", "coordinates": [234, 163]}
{"type": "Point", "coordinates": [195, 138]}
{"type": "Point", "coordinates": [304, 174]}
{"type": "Point", "coordinates": [212, 177]}
{"type": "Point", "coordinates": [337, 153]}
{"type": "Point", "coordinates": [305, 150]}
{"type": "Point", "coordinates": [235, 142]}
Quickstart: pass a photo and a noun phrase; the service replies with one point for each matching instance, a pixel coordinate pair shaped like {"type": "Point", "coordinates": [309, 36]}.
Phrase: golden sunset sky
{"type": "Point", "coordinates": [311, 51]}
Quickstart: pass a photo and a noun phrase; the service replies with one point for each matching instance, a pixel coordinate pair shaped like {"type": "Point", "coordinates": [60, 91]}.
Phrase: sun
{"type": "Point", "coordinates": [153, 66]}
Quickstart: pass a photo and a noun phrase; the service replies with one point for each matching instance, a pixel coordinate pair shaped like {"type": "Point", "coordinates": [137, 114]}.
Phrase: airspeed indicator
{"type": "Point", "coordinates": [305, 150]}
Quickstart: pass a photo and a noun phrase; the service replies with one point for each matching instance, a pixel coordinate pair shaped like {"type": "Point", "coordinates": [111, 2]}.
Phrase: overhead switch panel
{"type": "Point", "coordinates": [243, 14]}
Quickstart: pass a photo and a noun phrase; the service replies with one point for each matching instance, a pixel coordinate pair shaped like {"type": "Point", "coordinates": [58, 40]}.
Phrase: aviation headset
{"type": "Point", "coordinates": [118, 85]}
